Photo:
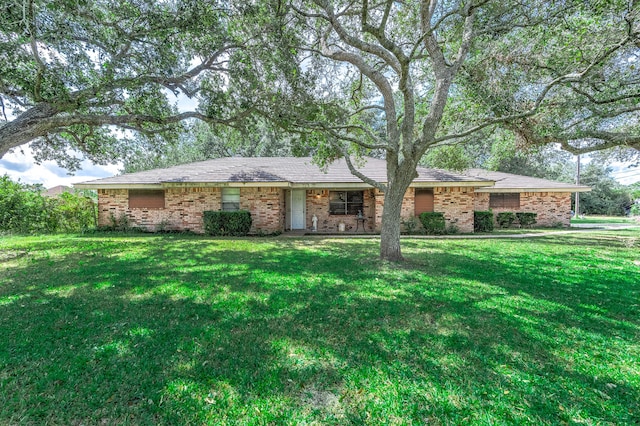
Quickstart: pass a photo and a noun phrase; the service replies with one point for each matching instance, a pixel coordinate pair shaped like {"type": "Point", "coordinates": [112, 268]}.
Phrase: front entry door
{"type": "Point", "coordinates": [298, 204]}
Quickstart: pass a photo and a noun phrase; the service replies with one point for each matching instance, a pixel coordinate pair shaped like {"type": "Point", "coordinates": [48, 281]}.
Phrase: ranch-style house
{"type": "Point", "coordinates": [284, 193]}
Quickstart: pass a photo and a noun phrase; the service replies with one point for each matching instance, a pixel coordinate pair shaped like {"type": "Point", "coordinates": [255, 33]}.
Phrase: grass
{"type": "Point", "coordinates": [604, 219]}
{"type": "Point", "coordinates": [112, 329]}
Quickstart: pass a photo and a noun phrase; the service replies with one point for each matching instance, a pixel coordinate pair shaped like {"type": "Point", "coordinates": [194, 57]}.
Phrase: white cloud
{"type": "Point", "coordinates": [20, 165]}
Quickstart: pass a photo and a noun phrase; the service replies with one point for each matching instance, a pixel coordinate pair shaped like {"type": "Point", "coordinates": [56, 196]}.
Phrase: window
{"type": "Point", "coordinates": [423, 201]}
{"type": "Point", "coordinates": [506, 200]}
{"type": "Point", "coordinates": [230, 199]}
{"type": "Point", "coordinates": [345, 202]}
{"type": "Point", "coordinates": [146, 198]}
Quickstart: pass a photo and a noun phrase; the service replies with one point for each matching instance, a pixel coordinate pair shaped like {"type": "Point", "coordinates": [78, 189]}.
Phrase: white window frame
{"type": "Point", "coordinates": [230, 199]}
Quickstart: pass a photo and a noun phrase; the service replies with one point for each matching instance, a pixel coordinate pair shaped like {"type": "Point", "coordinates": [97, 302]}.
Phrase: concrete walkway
{"type": "Point", "coordinates": [576, 228]}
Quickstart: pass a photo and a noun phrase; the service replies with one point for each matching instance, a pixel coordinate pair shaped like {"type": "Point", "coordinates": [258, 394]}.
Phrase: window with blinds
{"type": "Point", "coordinates": [423, 201]}
{"type": "Point", "coordinates": [146, 198]}
{"type": "Point", "coordinates": [230, 199]}
{"type": "Point", "coordinates": [504, 200]}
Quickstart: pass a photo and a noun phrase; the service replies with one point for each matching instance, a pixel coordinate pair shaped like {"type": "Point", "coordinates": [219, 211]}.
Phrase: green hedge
{"type": "Point", "coordinates": [527, 219]}
{"type": "Point", "coordinates": [222, 223]}
{"type": "Point", "coordinates": [505, 219]}
{"type": "Point", "coordinates": [483, 221]}
{"type": "Point", "coordinates": [24, 210]}
{"type": "Point", "coordinates": [433, 223]}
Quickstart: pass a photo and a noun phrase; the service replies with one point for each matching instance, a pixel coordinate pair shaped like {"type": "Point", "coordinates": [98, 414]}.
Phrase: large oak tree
{"type": "Point", "coordinates": [401, 77]}
{"type": "Point", "coordinates": [391, 78]}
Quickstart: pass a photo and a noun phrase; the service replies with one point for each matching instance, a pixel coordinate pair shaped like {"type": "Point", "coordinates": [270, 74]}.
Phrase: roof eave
{"type": "Point", "coordinates": [84, 185]}
{"type": "Point", "coordinates": [225, 184]}
{"type": "Point", "coordinates": [434, 184]}
{"type": "Point", "coordinates": [533, 189]}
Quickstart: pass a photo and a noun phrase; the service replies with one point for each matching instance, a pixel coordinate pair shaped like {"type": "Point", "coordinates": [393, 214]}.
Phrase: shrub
{"type": "Point", "coordinates": [483, 221]}
{"type": "Point", "coordinates": [23, 209]}
{"type": "Point", "coordinates": [223, 223]}
{"type": "Point", "coordinates": [433, 223]}
{"type": "Point", "coordinates": [411, 225]}
{"type": "Point", "coordinates": [75, 212]}
{"type": "Point", "coordinates": [453, 229]}
{"type": "Point", "coordinates": [527, 218]}
{"type": "Point", "coordinates": [120, 223]}
{"type": "Point", "coordinates": [505, 219]}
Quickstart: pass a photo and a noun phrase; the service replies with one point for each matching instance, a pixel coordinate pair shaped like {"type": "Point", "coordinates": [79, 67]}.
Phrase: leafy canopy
{"type": "Point", "coordinates": [88, 75]}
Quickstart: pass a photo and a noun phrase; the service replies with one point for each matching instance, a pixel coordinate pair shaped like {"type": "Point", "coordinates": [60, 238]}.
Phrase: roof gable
{"type": "Point", "coordinates": [508, 182]}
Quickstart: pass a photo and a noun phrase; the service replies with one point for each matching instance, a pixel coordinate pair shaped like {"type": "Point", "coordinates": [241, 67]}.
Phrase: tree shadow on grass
{"type": "Point", "coordinates": [208, 331]}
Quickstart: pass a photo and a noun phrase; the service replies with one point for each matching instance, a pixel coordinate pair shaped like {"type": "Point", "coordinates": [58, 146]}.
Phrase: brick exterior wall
{"type": "Point", "coordinates": [553, 208]}
{"type": "Point", "coordinates": [318, 204]}
{"type": "Point", "coordinates": [184, 208]}
{"type": "Point", "coordinates": [406, 211]}
{"type": "Point", "coordinates": [457, 204]}
{"type": "Point", "coordinates": [266, 206]}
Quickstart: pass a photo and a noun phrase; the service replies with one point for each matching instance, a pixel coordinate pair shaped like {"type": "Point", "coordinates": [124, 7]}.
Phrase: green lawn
{"type": "Point", "coordinates": [116, 329]}
{"type": "Point", "coordinates": [605, 219]}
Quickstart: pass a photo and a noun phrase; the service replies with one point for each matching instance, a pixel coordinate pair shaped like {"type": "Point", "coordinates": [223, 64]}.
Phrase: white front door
{"type": "Point", "coordinates": [298, 204]}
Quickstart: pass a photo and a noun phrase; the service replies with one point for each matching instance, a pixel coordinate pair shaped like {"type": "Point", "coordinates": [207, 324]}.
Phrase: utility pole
{"type": "Point", "coordinates": [577, 206]}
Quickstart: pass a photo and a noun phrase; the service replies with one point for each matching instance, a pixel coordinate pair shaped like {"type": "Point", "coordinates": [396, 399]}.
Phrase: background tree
{"type": "Point", "coordinates": [403, 77]}
{"type": "Point", "coordinates": [607, 196]}
{"type": "Point", "coordinates": [200, 141]}
{"type": "Point", "coordinates": [500, 151]}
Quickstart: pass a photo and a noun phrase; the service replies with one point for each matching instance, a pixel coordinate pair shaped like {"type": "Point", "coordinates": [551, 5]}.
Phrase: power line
{"type": "Point", "coordinates": [627, 176]}
{"type": "Point", "coordinates": [632, 172]}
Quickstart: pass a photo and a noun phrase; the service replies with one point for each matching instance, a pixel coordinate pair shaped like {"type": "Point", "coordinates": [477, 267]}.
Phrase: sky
{"type": "Point", "coordinates": [20, 165]}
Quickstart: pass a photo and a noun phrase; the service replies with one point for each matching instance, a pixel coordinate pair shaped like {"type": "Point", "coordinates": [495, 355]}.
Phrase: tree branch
{"type": "Point", "coordinates": [358, 173]}
{"type": "Point", "coordinates": [567, 78]}
{"type": "Point", "coordinates": [352, 41]}
{"type": "Point", "coordinates": [381, 83]}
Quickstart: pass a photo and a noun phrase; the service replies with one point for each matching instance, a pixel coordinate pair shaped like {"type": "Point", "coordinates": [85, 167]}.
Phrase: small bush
{"type": "Point", "coordinates": [483, 221]}
{"type": "Point", "coordinates": [505, 219]}
{"type": "Point", "coordinates": [527, 219]}
{"type": "Point", "coordinates": [433, 223]}
{"type": "Point", "coordinates": [121, 223]}
{"type": "Point", "coordinates": [163, 226]}
{"type": "Point", "coordinates": [453, 229]}
{"type": "Point", "coordinates": [411, 225]}
{"type": "Point", "coordinates": [224, 223]}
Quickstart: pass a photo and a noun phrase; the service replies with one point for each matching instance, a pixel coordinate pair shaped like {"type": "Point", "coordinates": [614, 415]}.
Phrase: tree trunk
{"type": "Point", "coordinates": [391, 218]}
{"type": "Point", "coordinates": [390, 232]}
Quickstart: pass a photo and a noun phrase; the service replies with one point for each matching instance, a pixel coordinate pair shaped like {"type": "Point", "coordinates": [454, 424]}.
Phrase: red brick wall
{"type": "Point", "coordinates": [552, 207]}
{"type": "Point", "coordinates": [266, 207]}
{"type": "Point", "coordinates": [455, 203]}
{"type": "Point", "coordinates": [184, 207]}
{"type": "Point", "coordinates": [318, 204]}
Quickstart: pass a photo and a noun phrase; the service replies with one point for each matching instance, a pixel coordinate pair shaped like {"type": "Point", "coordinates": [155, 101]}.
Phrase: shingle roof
{"type": "Point", "coordinates": [288, 171]}
{"type": "Point", "coordinates": [507, 182]}
{"type": "Point", "coordinates": [57, 190]}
